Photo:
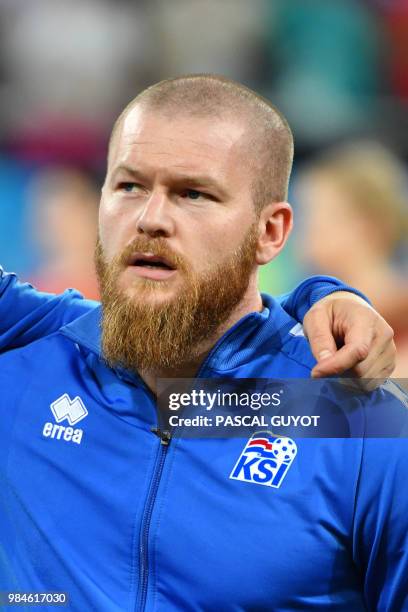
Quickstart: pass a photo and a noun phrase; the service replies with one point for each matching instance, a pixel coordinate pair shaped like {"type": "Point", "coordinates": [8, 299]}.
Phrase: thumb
{"type": "Point", "coordinates": [318, 329]}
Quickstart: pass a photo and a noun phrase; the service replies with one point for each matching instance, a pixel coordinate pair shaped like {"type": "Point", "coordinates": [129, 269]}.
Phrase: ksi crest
{"type": "Point", "coordinates": [265, 459]}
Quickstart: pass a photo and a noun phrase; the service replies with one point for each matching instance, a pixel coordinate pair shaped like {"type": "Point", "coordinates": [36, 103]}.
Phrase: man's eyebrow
{"type": "Point", "coordinates": [203, 181]}
{"type": "Point", "coordinates": [128, 170]}
{"type": "Point", "coordinates": [200, 181]}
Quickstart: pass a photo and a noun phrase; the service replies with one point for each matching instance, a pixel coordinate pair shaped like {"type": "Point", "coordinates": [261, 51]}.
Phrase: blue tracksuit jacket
{"type": "Point", "coordinates": [94, 504]}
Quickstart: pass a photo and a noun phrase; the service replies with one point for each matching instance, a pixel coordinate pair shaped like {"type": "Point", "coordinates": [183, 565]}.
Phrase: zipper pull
{"type": "Point", "coordinates": [164, 435]}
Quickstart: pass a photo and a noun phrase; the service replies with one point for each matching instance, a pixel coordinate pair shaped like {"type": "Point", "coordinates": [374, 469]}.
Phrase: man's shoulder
{"type": "Point", "coordinates": [284, 338]}
{"type": "Point", "coordinates": [296, 347]}
{"type": "Point", "coordinates": [50, 366]}
{"type": "Point", "coordinates": [269, 344]}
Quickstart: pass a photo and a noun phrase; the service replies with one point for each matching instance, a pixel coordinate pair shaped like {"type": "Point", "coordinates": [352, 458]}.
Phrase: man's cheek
{"type": "Point", "coordinates": [104, 235]}
{"type": "Point", "coordinates": [112, 237]}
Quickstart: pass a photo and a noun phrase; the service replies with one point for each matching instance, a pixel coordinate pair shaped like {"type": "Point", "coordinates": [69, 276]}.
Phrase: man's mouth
{"type": "Point", "coordinates": [151, 266]}
{"type": "Point", "coordinates": [148, 260]}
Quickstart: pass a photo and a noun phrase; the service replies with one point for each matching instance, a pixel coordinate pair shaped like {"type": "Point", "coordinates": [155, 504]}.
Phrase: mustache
{"type": "Point", "coordinates": [156, 246]}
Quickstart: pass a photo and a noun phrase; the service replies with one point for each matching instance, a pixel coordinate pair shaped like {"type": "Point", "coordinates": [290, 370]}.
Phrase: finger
{"type": "Point", "coordinates": [358, 340]}
{"type": "Point", "coordinates": [344, 359]}
{"type": "Point", "coordinates": [369, 383]}
{"type": "Point", "coordinates": [373, 371]}
{"type": "Point", "coordinates": [377, 335]}
{"type": "Point", "coordinates": [317, 327]}
{"type": "Point", "coordinates": [376, 366]}
{"type": "Point", "coordinates": [379, 358]}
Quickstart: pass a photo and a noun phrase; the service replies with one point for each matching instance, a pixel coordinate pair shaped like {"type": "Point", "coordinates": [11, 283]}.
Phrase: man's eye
{"type": "Point", "coordinates": [128, 187]}
{"type": "Point", "coordinates": [193, 194]}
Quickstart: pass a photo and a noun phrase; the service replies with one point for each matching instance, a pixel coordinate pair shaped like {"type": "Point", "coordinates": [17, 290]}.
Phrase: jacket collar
{"type": "Point", "coordinates": [86, 330]}
{"type": "Point", "coordinates": [236, 346]}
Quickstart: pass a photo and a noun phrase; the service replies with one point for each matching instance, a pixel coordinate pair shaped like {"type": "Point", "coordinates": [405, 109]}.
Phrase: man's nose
{"type": "Point", "coordinates": [155, 218]}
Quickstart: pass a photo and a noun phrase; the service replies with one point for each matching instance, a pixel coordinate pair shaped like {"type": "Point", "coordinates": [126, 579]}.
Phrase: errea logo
{"type": "Point", "coordinates": [71, 410]}
{"type": "Point", "coordinates": [65, 408]}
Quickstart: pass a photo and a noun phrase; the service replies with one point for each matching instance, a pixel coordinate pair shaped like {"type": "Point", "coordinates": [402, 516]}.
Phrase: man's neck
{"type": "Point", "coordinates": [252, 302]}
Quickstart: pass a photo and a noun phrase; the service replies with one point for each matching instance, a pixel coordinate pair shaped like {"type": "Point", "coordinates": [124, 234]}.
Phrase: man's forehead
{"type": "Point", "coordinates": [207, 136]}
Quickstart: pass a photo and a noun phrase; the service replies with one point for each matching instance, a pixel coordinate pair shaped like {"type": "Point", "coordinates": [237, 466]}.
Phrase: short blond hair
{"type": "Point", "coordinates": [375, 181]}
{"type": "Point", "coordinates": [270, 140]}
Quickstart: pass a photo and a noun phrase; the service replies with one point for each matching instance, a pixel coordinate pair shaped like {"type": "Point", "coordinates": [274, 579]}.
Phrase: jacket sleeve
{"type": "Point", "coordinates": [311, 290]}
{"type": "Point", "coordinates": [380, 530]}
{"type": "Point", "coordinates": [27, 314]}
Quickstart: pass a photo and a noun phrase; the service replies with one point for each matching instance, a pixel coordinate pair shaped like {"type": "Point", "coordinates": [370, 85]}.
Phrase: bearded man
{"type": "Point", "coordinates": [96, 505]}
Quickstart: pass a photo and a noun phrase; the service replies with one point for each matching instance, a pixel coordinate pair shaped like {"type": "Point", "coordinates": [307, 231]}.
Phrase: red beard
{"type": "Point", "coordinates": [143, 336]}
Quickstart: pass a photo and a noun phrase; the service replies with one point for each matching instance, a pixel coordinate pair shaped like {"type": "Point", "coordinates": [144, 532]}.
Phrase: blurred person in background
{"type": "Point", "coordinates": [63, 219]}
{"type": "Point", "coordinates": [230, 39]}
{"type": "Point", "coordinates": [360, 189]}
{"type": "Point", "coordinates": [56, 57]}
{"type": "Point", "coordinates": [333, 67]}
{"type": "Point", "coordinates": [326, 69]}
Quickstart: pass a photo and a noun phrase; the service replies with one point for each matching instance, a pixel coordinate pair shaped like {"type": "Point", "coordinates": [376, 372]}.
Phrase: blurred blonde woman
{"type": "Point", "coordinates": [354, 202]}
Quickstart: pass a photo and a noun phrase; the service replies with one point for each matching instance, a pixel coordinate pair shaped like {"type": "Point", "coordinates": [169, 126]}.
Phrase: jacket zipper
{"type": "Point", "coordinates": [165, 437]}
{"type": "Point", "coordinates": [147, 516]}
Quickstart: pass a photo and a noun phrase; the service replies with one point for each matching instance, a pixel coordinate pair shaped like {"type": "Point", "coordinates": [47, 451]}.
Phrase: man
{"type": "Point", "coordinates": [93, 502]}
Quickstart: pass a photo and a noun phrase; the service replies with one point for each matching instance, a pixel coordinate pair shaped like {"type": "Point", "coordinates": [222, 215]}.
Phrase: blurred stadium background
{"type": "Point", "coordinates": [338, 70]}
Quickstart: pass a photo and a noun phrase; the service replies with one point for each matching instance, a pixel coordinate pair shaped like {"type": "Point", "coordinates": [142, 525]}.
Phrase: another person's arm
{"type": "Point", "coordinates": [345, 333]}
{"type": "Point", "coordinates": [27, 314]}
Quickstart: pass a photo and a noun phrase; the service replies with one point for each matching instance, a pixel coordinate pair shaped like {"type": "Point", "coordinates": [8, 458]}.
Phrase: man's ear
{"type": "Point", "coordinates": [275, 225]}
